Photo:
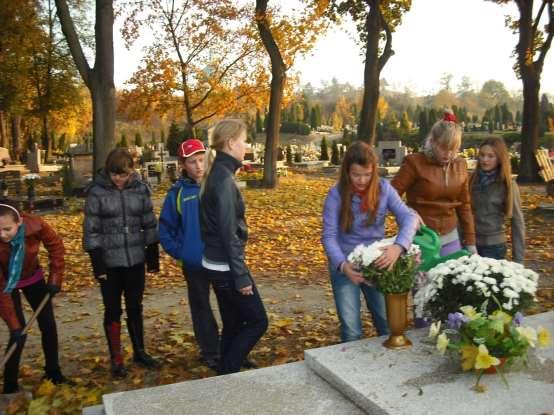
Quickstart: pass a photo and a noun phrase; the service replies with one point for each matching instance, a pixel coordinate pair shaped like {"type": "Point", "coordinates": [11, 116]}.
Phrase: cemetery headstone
{"type": "Point", "coordinates": [391, 152]}
{"type": "Point", "coordinates": [34, 159]}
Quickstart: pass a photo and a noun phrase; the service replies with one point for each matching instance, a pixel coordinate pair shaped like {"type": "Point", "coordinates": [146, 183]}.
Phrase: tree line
{"type": "Point", "coordinates": [218, 58]}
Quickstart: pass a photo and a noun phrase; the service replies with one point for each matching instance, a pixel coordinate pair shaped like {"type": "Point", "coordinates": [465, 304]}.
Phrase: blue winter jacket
{"type": "Point", "coordinates": [180, 233]}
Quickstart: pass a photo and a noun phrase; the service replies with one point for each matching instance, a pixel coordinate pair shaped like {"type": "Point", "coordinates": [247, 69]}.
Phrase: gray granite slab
{"type": "Point", "coordinates": [418, 381]}
{"type": "Point", "coordinates": [94, 410]}
{"type": "Point", "coordinates": [285, 389]}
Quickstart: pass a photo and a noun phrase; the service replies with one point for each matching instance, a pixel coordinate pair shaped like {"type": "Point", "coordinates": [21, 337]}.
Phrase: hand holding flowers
{"type": "Point", "coordinates": [383, 264]}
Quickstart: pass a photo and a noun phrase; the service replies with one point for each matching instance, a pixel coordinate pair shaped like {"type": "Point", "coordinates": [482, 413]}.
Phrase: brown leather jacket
{"type": "Point", "coordinates": [440, 194]}
{"type": "Point", "coordinates": [37, 231]}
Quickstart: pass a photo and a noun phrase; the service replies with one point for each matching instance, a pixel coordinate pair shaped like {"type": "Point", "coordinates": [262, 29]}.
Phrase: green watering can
{"type": "Point", "coordinates": [430, 244]}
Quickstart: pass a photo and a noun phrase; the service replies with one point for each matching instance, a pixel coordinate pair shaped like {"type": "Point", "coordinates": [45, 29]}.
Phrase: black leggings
{"type": "Point", "coordinates": [129, 282]}
{"type": "Point", "coordinates": [47, 324]}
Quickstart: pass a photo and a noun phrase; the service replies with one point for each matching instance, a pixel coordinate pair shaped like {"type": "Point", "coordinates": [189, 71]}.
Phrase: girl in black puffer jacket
{"type": "Point", "coordinates": [120, 234]}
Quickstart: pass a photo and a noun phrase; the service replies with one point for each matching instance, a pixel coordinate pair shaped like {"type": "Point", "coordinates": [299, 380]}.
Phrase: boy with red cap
{"type": "Point", "coordinates": [180, 238]}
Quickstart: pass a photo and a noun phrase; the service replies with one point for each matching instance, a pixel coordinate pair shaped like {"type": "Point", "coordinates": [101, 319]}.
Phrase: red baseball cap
{"type": "Point", "coordinates": [190, 147]}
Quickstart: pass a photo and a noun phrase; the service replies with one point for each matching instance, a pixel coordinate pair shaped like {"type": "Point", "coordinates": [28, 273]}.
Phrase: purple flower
{"type": "Point", "coordinates": [518, 319]}
{"type": "Point", "coordinates": [455, 320]}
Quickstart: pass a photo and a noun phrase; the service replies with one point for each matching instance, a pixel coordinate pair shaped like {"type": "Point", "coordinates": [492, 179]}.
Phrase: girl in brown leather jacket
{"type": "Point", "coordinates": [436, 184]}
{"type": "Point", "coordinates": [20, 239]}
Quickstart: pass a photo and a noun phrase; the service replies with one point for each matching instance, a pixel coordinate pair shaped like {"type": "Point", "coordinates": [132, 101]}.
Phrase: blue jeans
{"type": "Point", "coordinates": [348, 303]}
{"type": "Point", "coordinates": [492, 251]}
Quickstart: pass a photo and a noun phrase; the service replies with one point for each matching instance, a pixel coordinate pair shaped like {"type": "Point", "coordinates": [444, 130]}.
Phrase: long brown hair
{"type": "Point", "coordinates": [363, 154]}
{"type": "Point", "coordinates": [504, 169]}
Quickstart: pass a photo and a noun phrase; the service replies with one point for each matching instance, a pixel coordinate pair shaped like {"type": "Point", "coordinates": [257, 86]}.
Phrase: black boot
{"type": "Point", "coordinates": [55, 376]}
{"type": "Point", "coordinates": [136, 333]}
{"type": "Point", "coordinates": [113, 336]}
{"type": "Point", "coordinates": [10, 387]}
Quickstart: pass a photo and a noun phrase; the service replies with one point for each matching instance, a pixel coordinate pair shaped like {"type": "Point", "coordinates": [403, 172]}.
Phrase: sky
{"type": "Point", "coordinates": [436, 37]}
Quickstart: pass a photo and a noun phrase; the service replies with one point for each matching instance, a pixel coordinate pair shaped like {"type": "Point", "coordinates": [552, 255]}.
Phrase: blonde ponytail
{"type": "Point", "coordinates": [225, 130]}
{"type": "Point", "coordinates": [208, 164]}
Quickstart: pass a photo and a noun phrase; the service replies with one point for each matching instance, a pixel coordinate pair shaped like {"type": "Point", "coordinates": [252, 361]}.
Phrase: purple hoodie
{"type": "Point", "coordinates": [338, 244]}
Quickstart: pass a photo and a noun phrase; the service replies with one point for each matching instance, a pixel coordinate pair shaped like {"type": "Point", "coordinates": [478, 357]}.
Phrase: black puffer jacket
{"type": "Point", "coordinates": [222, 221]}
{"type": "Point", "coordinates": [119, 222]}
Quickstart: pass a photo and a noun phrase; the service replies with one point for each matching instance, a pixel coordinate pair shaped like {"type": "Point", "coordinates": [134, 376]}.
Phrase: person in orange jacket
{"type": "Point", "coordinates": [20, 239]}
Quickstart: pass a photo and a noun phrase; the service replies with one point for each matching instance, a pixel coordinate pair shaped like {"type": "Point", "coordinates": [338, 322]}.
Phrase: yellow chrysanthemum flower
{"type": "Point", "coordinates": [442, 343]}
{"type": "Point", "coordinates": [470, 312]}
{"type": "Point", "coordinates": [543, 337]}
{"type": "Point", "coordinates": [484, 360]}
{"type": "Point", "coordinates": [529, 334]}
{"type": "Point", "coordinates": [501, 315]}
{"type": "Point", "coordinates": [469, 353]}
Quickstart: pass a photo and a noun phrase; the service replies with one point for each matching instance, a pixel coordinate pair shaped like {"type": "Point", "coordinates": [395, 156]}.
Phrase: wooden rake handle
{"type": "Point", "coordinates": [25, 329]}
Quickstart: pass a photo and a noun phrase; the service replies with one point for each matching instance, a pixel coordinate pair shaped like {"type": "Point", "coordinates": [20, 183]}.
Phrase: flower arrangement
{"type": "Point", "coordinates": [487, 341]}
{"type": "Point", "coordinates": [396, 281]}
{"type": "Point", "coordinates": [471, 280]}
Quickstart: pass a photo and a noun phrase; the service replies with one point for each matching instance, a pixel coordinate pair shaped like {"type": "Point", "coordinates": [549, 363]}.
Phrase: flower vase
{"type": "Point", "coordinates": [397, 316]}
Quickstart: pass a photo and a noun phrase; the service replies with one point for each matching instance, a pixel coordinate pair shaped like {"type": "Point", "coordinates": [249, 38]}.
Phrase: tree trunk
{"type": "Point", "coordinates": [278, 79]}
{"type": "Point", "coordinates": [529, 168]}
{"type": "Point", "coordinates": [530, 71]}
{"type": "Point", "coordinates": [99, 79]}
{"type": "Point", "coordinates": [16, 132]}
{"type": "Point", "coordinates": [370, 100]}
{"type": "Point", "coordinates": [3, 135]}
{"type": "Point", "coordinates": [45, 139]}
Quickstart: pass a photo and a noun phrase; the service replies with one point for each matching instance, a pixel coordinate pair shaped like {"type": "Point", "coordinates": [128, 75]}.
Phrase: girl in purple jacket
{"type": "Point", "coordinates": [354, 213]}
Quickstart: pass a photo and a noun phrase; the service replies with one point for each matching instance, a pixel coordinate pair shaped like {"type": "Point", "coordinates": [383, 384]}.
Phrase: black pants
{"type": "Point", "coordinates": [203, 321]}
{"type": "Point", "coordinates": [129, 282]}
{"type": "Point", "coordinates": [47, 324]}
{"type": "Point", "coordinates": [244, 321]}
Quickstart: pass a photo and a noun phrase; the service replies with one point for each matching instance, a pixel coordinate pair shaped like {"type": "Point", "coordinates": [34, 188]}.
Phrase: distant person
{"type": "Point", "coordinates": [436, 184]}
{"type": "Point", "coordinates": [20, 238]}
{"type": "Point", "coordinates": [354, 213]}
{"type": "Point", "coordinates": [224, 231]}
{"type": "Point", "coordinates": [181, 238]}
{"type": "Point", "coordinates": [495, 198]}
{"type": "Point", "coordinates": [120, 234]}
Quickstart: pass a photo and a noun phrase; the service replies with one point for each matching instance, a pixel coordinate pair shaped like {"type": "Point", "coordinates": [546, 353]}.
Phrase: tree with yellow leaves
{"type": "Point", "coordinates": [204, 50]}
{"type": "Point", "coordinates": [284, 37]}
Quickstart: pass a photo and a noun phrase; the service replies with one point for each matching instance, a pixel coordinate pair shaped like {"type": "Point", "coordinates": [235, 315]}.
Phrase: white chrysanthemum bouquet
{"type": "Point", "coordinates": [396, 281]}
{"type": "Point", "coordinates": [470, 280]}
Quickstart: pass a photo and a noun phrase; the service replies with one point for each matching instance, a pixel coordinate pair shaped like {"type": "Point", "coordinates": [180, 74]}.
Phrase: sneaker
{"type": "Point", "coordinates": [211, 362]}
{"type": "Point", "coordinates": [145, 360]}
{"type": "Point", "coordinates": [249, 364]}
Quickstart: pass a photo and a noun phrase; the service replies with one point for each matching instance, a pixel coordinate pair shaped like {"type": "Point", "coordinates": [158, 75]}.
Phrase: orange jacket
{"type": "Point", "coordinates": [440, 194]}
{"type": "Point", "coordinates": [37, 231]}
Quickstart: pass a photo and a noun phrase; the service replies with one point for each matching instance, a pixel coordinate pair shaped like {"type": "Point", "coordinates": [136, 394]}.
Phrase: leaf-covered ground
{"type": "Point", "coordinates": [287, 260]}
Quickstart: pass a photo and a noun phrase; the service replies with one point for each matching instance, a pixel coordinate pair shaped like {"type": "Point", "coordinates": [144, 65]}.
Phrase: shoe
{"type": "Point", "coordinates": [119, 371]}
{"type": "Point", "coordinates": [145, 360]}
{"type": "Point", "coordinates": [56, 377]}
{"type": "Point", "coordinates": [211, 362]}
{"type": "Point", "coordinates": [10, 387]}
{"type": "Point", "coordinates": [249, 364]}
